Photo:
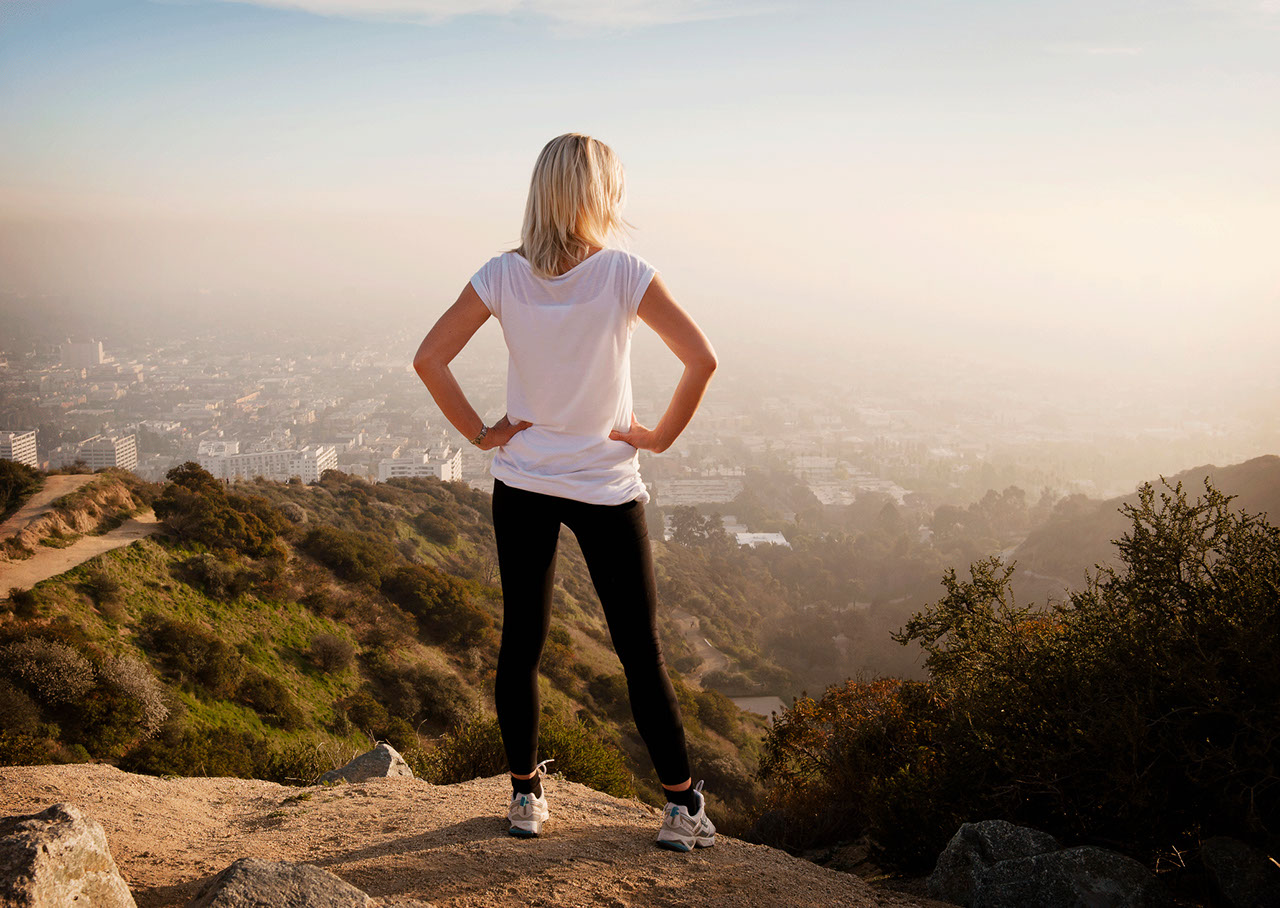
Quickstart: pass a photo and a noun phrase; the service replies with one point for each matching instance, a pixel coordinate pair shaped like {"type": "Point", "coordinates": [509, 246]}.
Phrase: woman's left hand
{"type": "Point", "coordinates": [502, 432]}
{"type": "Point", "coordinates": [640, 437]}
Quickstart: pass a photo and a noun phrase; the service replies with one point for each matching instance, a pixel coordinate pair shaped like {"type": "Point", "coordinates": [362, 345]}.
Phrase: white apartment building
{"type": "Point", "coordinates": [19, 446]}
{"type": "Point", "coordinates": [442, 462]}
{"type": "Point", "coordinates": [223, 460]}
{"type": "Point", "coordinates": [81, 355]}
{"type": "Point", "coordinates": [675, 492]}
{"type": "Point", "coordinates": [98, 452]}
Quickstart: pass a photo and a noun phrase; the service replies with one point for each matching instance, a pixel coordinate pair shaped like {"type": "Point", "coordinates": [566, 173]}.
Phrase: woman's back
{"type": "Point", "coordinates": [569, 373]}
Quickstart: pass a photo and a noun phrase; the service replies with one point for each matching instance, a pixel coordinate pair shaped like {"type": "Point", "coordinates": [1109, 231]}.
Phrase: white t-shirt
{"type": "Point", "coordinates": [569, 373]}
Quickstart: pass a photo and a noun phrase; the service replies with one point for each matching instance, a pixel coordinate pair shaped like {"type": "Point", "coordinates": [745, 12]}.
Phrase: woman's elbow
{"type": "Point", "coordinates": [706, 363]}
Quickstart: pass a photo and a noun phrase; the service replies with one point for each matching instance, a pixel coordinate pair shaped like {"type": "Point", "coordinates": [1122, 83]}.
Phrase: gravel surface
{"type": "Point", "coordinates": [403, 838]}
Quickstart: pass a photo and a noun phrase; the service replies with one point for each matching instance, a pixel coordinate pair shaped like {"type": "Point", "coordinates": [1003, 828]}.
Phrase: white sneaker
{"type": "Point", "coordinates": [527, 813]}
{"type": "Point", "coordinates": [683, 832]}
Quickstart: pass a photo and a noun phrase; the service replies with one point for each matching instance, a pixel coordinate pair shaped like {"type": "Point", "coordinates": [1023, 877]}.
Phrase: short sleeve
{"type": "Point", "coordinates": [487, 282]}
{"type": "Point", "coordinates": [640, 274]}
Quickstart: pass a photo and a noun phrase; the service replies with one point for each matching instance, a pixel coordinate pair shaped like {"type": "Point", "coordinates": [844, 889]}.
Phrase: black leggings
{"type": "Point", "coordinates": [615, 543]}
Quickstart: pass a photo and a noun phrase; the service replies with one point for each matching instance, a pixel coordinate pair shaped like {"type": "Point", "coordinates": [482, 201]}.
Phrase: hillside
{"type": "Point", "coordinates": [446, 845]}
{"type": "Point", "coordinates": [273, 630]}
{"type": "Point", "coordinates": [1078, 534]}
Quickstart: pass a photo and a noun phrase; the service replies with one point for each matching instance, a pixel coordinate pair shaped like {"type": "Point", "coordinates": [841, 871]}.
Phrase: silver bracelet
{"type": "Point", "coordinates": [484, 430]}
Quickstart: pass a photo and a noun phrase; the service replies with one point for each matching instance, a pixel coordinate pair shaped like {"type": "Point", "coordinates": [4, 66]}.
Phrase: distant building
{"type": "Point", "coordinates": [98, 452]}
{"type": "Point", "coordinates": [81, 354]}
{"type": "Point", "coordinates": [442, 462]}
{"type": "Point", "coordinates": [672, 493]}
{"type": "Point", "coordinates": [755, 539]}
{"type": "Point", "coordinates": [19, 446]}
{"type": "Point", "coordinates": [225, 462]}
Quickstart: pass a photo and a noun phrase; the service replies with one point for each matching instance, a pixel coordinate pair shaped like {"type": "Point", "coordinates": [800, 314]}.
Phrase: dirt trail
{"type": "Point", "coordinates": [446, 845]}
{"type": "Point", "coordinates": [50, 562]}
{"type": "Point", "coordinates": [54, 488]}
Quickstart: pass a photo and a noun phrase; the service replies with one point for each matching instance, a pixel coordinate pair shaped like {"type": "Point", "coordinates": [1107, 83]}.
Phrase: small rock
{"type": "Point", "coordinates": [1080, 877]}
{"type": "Point", "coordinates": [382, 762]}
{"type": "Point", "coordinates": [58, 857]}
{"type": "Point", "coordinates": [251, 883]}
{"type": "Point", "coordinates": [974, 848]}
{"type": "Point", "coordinates": [1245, 876]}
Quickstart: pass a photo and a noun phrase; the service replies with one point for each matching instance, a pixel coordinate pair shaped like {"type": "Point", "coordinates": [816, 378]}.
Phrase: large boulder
{"type": "Point", "coordinates": [974, 848]}
{"type": "Point", "coordinates": [1244, 875]}
{"type": "Point", "coordinates": [251, 883]}
{"type": "Point", "coordinates": [58, 857]}
{"type": "Point", "coordinates": [1080, 877]}
{"type": "Point", "coordinates": [383, 762]}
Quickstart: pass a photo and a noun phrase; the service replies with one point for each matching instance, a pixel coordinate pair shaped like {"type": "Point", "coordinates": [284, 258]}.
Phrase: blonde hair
{"type": "Point", "coordinates": [575, 202]}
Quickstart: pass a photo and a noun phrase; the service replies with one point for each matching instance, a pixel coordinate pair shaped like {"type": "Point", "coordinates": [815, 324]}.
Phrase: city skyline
{"type": "Point", "coordinates": [995, 180]}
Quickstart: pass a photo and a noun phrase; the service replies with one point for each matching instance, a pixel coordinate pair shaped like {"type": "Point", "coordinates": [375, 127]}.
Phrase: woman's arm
{"type": "Point", "coordinates": [686, 340]}
{"type": "Point", "coordinates": [443, 342]}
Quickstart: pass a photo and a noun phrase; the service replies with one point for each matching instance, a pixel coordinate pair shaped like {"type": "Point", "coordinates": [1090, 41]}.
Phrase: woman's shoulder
{"type": "Point", "coordinates": [633, 262]}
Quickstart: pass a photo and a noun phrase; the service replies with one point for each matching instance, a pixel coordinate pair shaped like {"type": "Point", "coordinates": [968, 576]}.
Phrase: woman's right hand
{"type": "Point", "coordinates": [641, 437]}
{"type": "Point", "coordinates": [502, 432]}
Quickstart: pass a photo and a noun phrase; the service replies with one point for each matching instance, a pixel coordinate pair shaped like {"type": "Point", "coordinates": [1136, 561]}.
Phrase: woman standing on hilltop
{"type": "Point", "coordinates": [567, 452]}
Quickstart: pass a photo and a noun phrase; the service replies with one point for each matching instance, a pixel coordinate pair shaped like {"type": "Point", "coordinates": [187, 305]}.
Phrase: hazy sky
{"type": "Point", "coordinates": [1077, 179]}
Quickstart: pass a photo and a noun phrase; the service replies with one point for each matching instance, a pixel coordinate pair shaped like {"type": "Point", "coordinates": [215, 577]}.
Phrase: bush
{"type": "Point", "coordinates": [218, 578]}
{"type": "Point", "coordinates": [185, 751]}
{"type": "Point", "coordinates": [18, 482]}
{"type": "Point", "coordinates": [1161, 676]}
{"type": "Point", "coordinates": [18, 712]}
{"type": "Point", "coordinates": [352, 556]}
{"type": "Point", "coordinates": [441, 604]}
{"type": "Point", "coordinates": [331, 653]}
{"type": "Point", "coordinates": [270, 698]}
{"type": "Point", "coordinates": [474, 750]}
{"type": "Point", "coordinates": [195, 655]}
{"type": "Point", "coordinates": [51, 672]}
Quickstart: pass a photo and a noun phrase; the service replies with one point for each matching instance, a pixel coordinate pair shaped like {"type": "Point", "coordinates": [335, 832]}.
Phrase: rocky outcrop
{"type": "Point", "coordinates": [383, 762]}
{"type": "Point", "coordinates": [1245, 876]}
{"type": "Point", "coordinates": [995, 864]}
{"type": "Point", "coordinates": [251, 883]}
{"type": "Point", "coordinates": [56, 858]}
{"type": "Point", "coordinates": [975, 848]}
{"type": "Point", "coordinates": [1081, 877]}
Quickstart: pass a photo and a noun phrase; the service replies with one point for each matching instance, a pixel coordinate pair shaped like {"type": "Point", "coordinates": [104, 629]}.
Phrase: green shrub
{"type": "Point", "coordinates": [357, 557]}
{"type": "Point", "coordinates": [186, 751]}
{"type": "Point", "coordinates": [270, 698]}
{"type": "Point", "coordinates": [18, 749]}
{"type": "Point", "coordinates": [195, 655]}
{"type": "Point", "coordinates": [1161, 676]}
{"type": "Point", "coordinates": [474, 750]}
{"type": "Point", "coordinates": [220, 579]}
{"type": "Point", "coordinates": [18, 712]}
{"type": "Point", "coordinates": [18, 482]}
{"type": "Point", "coordinates": [441, 604]}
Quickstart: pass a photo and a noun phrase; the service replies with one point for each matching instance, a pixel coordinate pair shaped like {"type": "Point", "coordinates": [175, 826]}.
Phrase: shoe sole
{"type": "Point", "coordinates": [522, 833]}
{"type": "Point", "coordinates": [676, 845]}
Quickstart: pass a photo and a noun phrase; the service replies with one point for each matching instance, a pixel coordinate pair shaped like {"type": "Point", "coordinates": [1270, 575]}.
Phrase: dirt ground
{"type": "Point", "coordinates": [54, 488]}
{"type": "Point", "coordinates": [50, 562]}
{"type": "Point", "coordinates": [446, 845]}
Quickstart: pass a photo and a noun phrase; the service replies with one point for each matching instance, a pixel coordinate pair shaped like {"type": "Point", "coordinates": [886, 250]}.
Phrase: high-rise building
{"type": "Point", "coordinates": [19, 446]}
{"type": "Point", "coordinates": [82, 354]}
{"type": "Point", "coordinates": [99, 451]}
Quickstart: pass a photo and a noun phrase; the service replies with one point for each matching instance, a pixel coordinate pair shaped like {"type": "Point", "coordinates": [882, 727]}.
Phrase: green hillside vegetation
{"type": "Point", "coordinates": [1141, 715]}
{"type": "Point", "coordinates": [278, 629]}
{"type": "Point", "coordinates": [18, 482]}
